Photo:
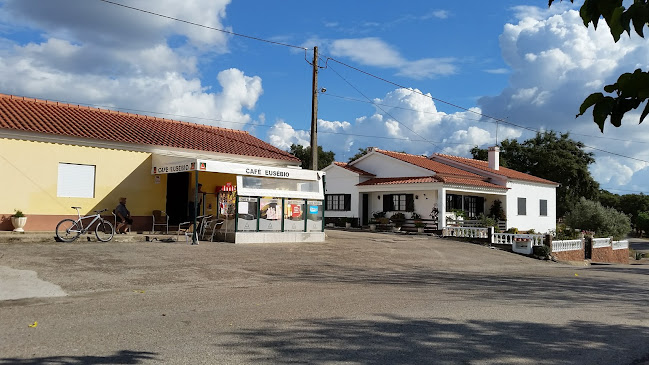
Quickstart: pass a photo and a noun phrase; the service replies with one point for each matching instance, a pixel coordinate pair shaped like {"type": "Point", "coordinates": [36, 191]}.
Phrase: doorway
{"type": "Point", "coordinates": [177, 188]}
{"type": "Point", "coordinates": [366, 209]}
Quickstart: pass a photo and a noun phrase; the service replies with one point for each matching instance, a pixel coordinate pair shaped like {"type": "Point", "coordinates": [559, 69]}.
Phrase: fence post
{"type": "Point", "coordinates": [547, 240]}
{"type": "Point", "coordinates": [490, 233]}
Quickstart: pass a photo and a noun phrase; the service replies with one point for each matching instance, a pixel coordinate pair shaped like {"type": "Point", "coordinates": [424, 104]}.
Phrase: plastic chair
{"type": "Point", "coordinates": [211, 227]}
{"type": "Point", "coordinates": [160, 218]}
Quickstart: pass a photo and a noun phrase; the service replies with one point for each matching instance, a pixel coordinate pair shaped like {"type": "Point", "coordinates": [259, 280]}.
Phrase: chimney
{"type": "Point", "coordinates": [494, 157]}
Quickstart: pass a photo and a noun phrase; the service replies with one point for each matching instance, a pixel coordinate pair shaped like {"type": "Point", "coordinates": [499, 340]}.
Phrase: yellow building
{"type": "Point", "coordinates": [55, 156]}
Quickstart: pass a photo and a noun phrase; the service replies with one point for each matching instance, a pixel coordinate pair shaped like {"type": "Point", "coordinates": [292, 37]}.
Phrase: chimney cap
{"type": "Point", "coordinates": [494, 148]}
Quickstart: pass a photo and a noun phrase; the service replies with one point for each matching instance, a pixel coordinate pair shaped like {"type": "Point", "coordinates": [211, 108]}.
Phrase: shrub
{"type": "Point", "coordinates": [378, 215]}
{"type": "Point", "coordinates": [415, 216]}
{"type": "Point", "coordinates": [513, 230]}
{"type": "Point", "coordinates": [398, 217]}
{"type": "Point", "coordinates": [642, 222]}
{"type": "Point", "coordinates": [543, 251]}
{"type": "Point", "coordinates": [496, 211]}
{"type": "Point", "coordinates": [564, 232]}
{"type": "Point", "coordinates": [486, 221]}
{"type": "Point", "coordinates": [592, 216]}
{"type": "Point", "coordinates": [18, 213]}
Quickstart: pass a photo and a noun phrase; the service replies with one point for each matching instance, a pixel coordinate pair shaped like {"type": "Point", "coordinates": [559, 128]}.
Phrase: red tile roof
{"type": "Point", "coordinates": [428, 164]}
{"type": "Point", "coordinates": [430, 179]}
{"type": "Point", "coordinates": [346, 166]}
{"type": "Point", "coordinates": [502, 171]}
{"type": "Point", "coordinates": [33, 115]}
{"type": "Point", "coordinates": [399, 180]}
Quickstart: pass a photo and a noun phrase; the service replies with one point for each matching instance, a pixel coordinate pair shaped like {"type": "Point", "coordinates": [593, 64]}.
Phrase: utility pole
{"type": "Point", "coordinates": [314, 113]}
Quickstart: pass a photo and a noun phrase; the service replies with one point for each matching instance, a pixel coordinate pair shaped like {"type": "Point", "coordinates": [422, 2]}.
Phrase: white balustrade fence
{"type": "Point", "coordinates": [510, 238]}
{"type": "Point", "coordinates": [567, 245]}
{"type": "Point", "coordinates": [466, 232]}
{"type": "Point", "coordinates": [620, 245]}
{"type": "Point", "coordinates": [601, 242]}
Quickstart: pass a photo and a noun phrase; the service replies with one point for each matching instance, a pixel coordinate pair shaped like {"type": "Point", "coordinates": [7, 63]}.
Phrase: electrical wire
{"type": "Point", "coordinates": [203, 26]}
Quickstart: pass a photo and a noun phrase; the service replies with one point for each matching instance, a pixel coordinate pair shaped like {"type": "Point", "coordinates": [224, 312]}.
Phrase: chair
{"type": "Point", "coordinates": [160, 218]}
{"type": "Point", "coordinates": [211, 227]}
{"type": "Point", "coordinates": [115, 223]}
{"type": "Point", "coordinates": [187, 228]}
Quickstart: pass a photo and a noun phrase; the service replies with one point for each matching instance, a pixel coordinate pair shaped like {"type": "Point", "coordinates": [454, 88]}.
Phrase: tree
{"type": "Point", "coordinates": [304, 153]}
{"type": "Point", "coordinates": [553, 157]}
{"type": "Point", "coordinates": [643, 222]}
{"type": "Point", "coordinates": [608, 199]}
{"type": "Point", "coordinates": [631, 89]}
{"type": "Point", "coordinates": [592, 216]}
{"type": "Point", "coordinates": [361, 152]}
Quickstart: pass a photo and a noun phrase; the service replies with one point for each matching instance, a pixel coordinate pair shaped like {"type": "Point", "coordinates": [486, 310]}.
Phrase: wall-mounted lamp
{"type": "Point", "coordinates": [379, 197]}
{"type": "Point", "coordinates": [416, 196]}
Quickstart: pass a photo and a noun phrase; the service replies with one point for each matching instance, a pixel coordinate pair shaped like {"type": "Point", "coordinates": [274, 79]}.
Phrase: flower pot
{"type": "Point", "coordinates": [420, 229]}
{"type": "Point", "coordinates": [396, 229]}
{"type": "Point", "coordinates": [348, 225]}
{"type": "Point", "coordinates": [372, 227]}
{"type": "Point", "coordinates": [19, 223]}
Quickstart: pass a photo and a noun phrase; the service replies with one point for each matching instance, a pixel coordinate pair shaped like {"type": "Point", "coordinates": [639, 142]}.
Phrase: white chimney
{"type": "Point", "coordinates": [494, 157]}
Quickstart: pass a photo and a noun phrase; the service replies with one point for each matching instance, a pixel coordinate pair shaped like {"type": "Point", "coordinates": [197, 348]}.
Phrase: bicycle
{"type": "Point", "coordinates": [69, 230]}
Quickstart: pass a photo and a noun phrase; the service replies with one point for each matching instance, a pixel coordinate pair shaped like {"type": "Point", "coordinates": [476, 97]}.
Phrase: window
{"type": "Point", "coordinates": [453, 202]}
{"type": "Point", "coordinates": [398, 203]}
{"type": "Point", "coordinates": [474, 206]}
{"type": "Point", "coordinates": [75, 181]}
{"type": "Point", "coordinates": [522, 208]}
{"type": "Point", "coordinates": [543, 207]}
{"type": "Point", "coordinates": [340, 202]}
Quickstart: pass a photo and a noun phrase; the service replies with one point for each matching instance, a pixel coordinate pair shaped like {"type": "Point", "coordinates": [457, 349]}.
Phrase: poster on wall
{"type": "Point", "coordinates": [294, 215]}
{"type": "Point", "coordinates": [270, 218]}
{"type": "Point", "coordinates": [247, 214]}
{"type": "Point", "coordinates": [315, 212]}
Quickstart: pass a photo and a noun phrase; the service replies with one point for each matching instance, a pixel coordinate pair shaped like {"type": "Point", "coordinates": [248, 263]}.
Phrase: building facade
{"type": "Point", "coordinates": [55, 156]}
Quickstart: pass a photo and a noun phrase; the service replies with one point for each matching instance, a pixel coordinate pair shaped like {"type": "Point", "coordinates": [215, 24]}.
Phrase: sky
{"type": "Point", "coordinates": [418, 76]}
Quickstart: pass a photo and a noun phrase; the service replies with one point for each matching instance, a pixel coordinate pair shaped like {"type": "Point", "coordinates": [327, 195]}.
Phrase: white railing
{"type": "Point", "coordinates": [510, 238]}
{"type": "Point", "coordinates": [620, 245]}
{"type": "Point", "coordinates": [466, 232]}
{"type": "Point", "coordinates": [567, 245]}
{"type": "Point", "coordinates": [601, 242]}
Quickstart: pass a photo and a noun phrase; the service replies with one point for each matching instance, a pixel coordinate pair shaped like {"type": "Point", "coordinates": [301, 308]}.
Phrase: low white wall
{"type": "Point", "coordinates": [278, 237]}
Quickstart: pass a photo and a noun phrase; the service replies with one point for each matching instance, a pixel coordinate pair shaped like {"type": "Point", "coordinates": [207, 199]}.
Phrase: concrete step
{"type": "Point", "coordinates": [45, 237]}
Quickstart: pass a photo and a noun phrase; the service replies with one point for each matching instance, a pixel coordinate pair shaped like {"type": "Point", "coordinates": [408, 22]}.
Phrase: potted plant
{"type": "Point", "coordinates": [397, 220]}
{"type": "Point", "coordinates": [18, 220]}
{"type": "Point", "coordinates": [420, 226]}
{"type": "Point", "coordinates": [348, 222]}
{"type": "Point", "coordinates": [372, 224]}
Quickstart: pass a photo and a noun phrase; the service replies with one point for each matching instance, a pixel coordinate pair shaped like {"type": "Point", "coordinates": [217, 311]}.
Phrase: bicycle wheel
{"type": "Point", "coordinates": [68, 230]}
{"type": "Point", "coordinates": [104, 231]}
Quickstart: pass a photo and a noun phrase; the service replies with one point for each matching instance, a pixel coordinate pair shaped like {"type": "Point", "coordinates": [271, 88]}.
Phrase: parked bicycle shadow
{"type": "Point", "coordinates": [120, 357]}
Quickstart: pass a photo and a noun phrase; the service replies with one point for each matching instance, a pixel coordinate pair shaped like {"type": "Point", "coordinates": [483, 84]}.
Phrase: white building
{"type": "Point", "coordinates": [391, 182]}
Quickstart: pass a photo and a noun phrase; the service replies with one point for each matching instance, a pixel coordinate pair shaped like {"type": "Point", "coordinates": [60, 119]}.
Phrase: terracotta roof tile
{"type": "Point", "coordinates": [428, 164]}
{"type": "Point", "coordinates": [502, 171]}
{"type": "Point", "coordinates": [33, 115]}
{"type": "Point", "coordinates": [399, 180]}
{"type": "Point", "coordinates": [346, 166]}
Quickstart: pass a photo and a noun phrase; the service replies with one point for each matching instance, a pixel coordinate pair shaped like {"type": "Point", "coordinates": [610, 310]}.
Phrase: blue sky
{"type": "Point", "coordinates": [514, 60]}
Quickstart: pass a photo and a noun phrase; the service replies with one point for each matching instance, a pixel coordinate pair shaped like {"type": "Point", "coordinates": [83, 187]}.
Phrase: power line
{"type": "Point", "coordinates": [463, 108]}
{"type": "Point", "coordinates": [203, 26]}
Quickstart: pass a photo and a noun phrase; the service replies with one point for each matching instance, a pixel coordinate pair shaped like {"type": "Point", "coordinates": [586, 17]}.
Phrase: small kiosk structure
{"type": "Point", "coordinates": [261, 204]}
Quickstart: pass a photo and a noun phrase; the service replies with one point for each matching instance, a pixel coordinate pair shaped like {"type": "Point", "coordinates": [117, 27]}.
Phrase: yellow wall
{"type": "Point", "coordinates": [211, 181]}
{"type": "Point", "coordinates": [29, 172]}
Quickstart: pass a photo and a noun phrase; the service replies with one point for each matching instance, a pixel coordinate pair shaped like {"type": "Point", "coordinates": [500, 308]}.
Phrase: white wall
{"type": "Point", "coordinates": [342, 181]}
{"type": "Point", "coordinates": [533, 193]}
{"type": "Point", "coordinates": [423, 204]}
{"type": "Point", "coordinates": [386, 166]}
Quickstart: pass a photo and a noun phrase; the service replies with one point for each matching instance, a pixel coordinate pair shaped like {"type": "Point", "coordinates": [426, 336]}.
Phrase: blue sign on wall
{"type": "Point", "coordinates": [313, 209]}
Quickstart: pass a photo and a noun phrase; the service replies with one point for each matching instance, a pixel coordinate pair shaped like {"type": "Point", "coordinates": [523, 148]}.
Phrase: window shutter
{"type": "Point", "coordinates": [410, 203]}
{"type": "Point", "coordinates": [522, 209]}
{"type": "Point", "coordinates": [348, 202]}
{"type": "Point", "coordinates": [387, 203]}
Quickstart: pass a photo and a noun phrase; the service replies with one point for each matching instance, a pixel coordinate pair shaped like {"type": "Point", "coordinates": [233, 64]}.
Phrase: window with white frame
{"type": "Point", "coordinates": [522, 206]}
{"type": "Point", "coordinates": [75, 181]}
{"type": "Point", "coordinates": [398, 203]}
{"type": "Point", "coordinates": [543, 207]}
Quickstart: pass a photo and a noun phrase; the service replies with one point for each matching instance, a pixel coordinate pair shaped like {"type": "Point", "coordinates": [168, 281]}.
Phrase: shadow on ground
{"type": "Point", "coordinates": [571, 288]}
{"type": "Point", "coordinates": [121, 357]}
{"type": "Point", "coordinates": [399, 340]}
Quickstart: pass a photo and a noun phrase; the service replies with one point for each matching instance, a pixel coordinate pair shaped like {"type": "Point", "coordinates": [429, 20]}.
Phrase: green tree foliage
{"type": "Point", "coordinates": [304, 153]}
{"type": "Point", "coordinates": [643, 222]}
{"type": "Point", "coordinates": [553, 157]}
{"type": "Point", "coordinates": [361, 152]}
{"type": "Point", "coordinates": [630, 204]}
{"type": "Point", "coordinates": [631, 89]}
{"type": "Point", "coordinates": [589, 215]}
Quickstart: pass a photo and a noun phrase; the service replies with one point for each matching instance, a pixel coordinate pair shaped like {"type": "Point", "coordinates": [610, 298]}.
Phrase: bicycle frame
{"type": "Point", "coordinates": [97, 217]}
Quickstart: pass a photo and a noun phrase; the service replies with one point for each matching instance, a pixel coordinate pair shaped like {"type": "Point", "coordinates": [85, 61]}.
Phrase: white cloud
{"type": "Point", "coordinates": [376, 52]}
{"type": "Point", "coordinates": [555, 63]}
{"type": "Point", "coordinates": [332, 126]}
{"type": "Point", "coordinates": [441, 14]}
{"type": "Point", "coordinates": [497, 71]}
{"type": "Point", "coordinates": [282, 135]}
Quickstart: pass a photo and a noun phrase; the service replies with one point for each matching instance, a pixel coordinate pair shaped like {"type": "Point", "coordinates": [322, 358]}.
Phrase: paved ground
{"type": "Point", "coordinates": [359, 298]}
